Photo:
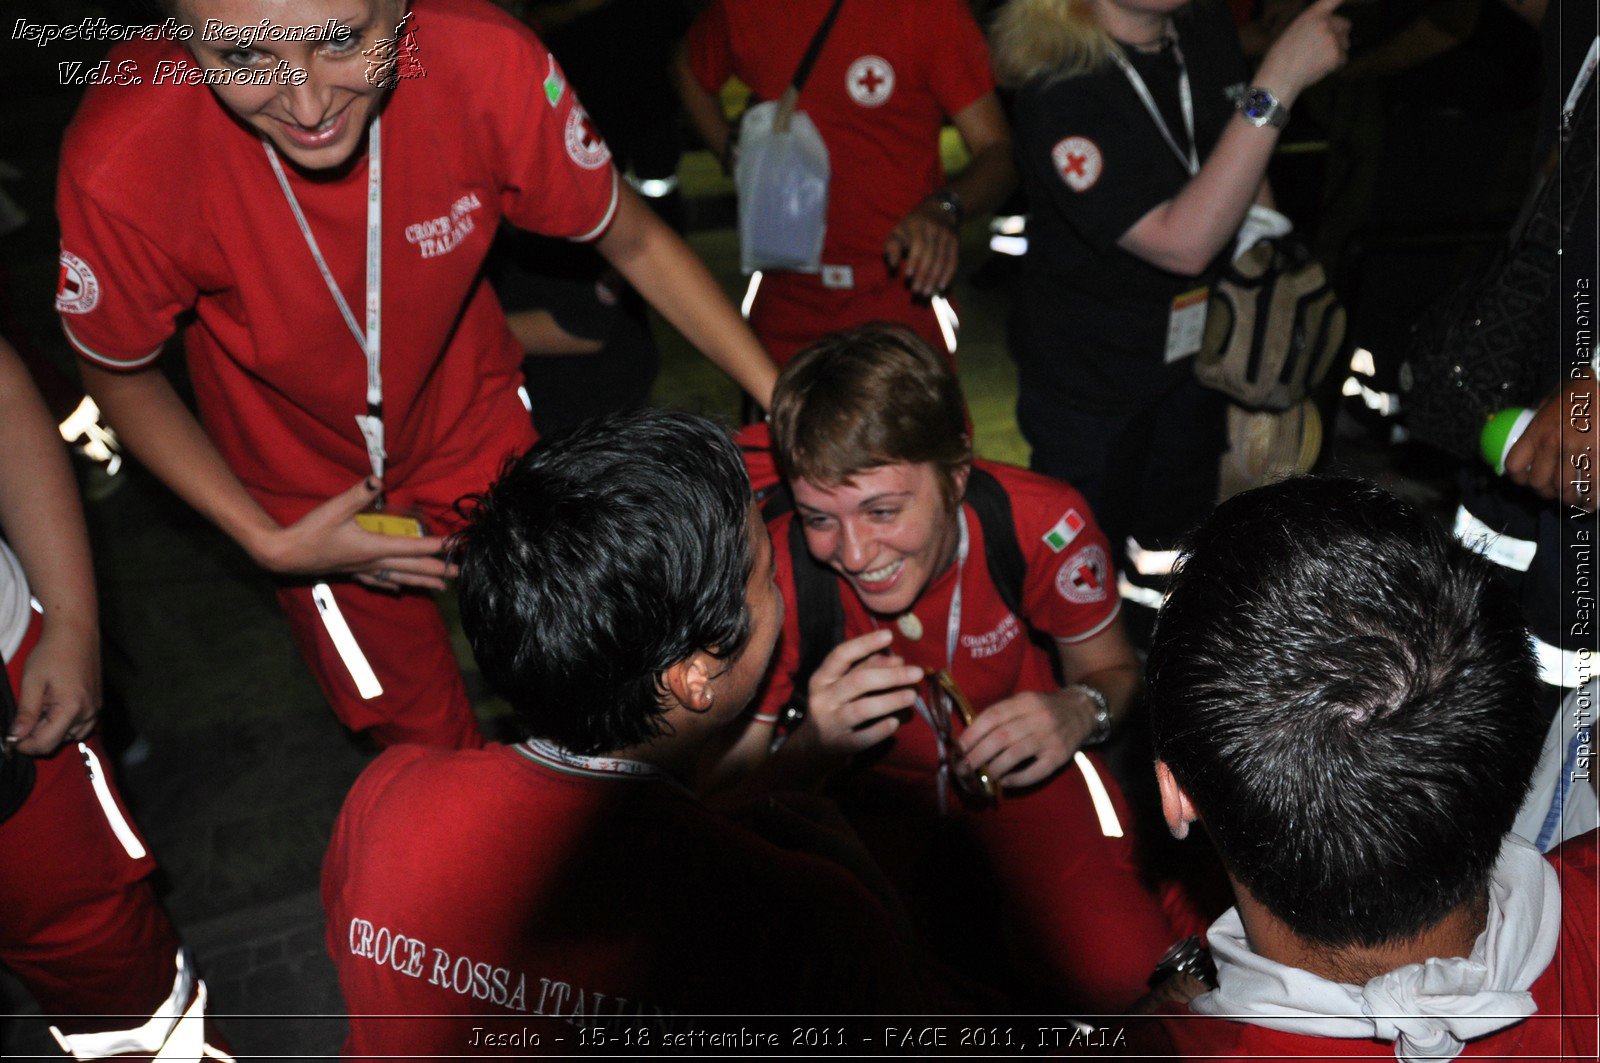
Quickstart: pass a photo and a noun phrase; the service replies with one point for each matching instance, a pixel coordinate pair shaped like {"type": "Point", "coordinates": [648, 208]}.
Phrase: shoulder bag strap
{"type": "Point", "coordinates": [791, 95]}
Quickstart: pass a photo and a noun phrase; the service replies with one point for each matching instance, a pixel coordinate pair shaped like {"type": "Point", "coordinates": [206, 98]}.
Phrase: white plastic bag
{"type": "Point", "coordinates": [782, 178]}
{"type": "Point", "coordinates": [1261, 223]}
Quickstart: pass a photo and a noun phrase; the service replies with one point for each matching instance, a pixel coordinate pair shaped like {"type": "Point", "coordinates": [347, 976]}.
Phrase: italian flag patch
{"type": "Point", "coordinates": [554, 84]}
{"type": "Point", "coordinates": [1060, 536]}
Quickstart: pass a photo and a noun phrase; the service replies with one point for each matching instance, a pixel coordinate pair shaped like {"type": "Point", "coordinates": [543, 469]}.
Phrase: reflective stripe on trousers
{"type": "Point", "coordinates": [344, 641]}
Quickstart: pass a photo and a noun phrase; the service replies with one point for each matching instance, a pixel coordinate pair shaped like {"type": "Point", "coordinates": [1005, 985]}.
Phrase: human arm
{"type": "Point", "coordinates": [1184, 233]}
{"type": "Point", "coordinates": [926, 240]}
{"type": "Point", "coordinates": [159, 430]}
{"type": "Point", "coordinates": [1047, 728]}
{"type": "Point", "coordinates": [1264, 196]}
{"type": "Point", "coordinates": [539, 334]}
{"type": "Point", "coordinates": [1555, 455]}
{"type": "Point", "coordinates": [59, 697]}
{"type": "Point", "coordinates": [657, 262]}
{"type": "Point", "coordinates": [703, 107]}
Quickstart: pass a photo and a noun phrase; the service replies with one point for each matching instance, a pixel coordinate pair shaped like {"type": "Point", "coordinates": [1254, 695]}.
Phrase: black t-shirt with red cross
{"type": "Point", "coordinates": [1094, 162]}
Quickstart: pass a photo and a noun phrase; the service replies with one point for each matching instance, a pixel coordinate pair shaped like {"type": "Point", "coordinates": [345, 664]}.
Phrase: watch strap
{"type": "Point", "coordinates": [1102, 714]}
{"type": "Point", "coordinates": [949, 203]}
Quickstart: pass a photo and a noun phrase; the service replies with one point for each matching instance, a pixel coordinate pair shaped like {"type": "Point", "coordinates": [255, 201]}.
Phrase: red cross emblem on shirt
{"type": "Point", "coordinates": [1084, 577]}
{"type": "Point", "coordinates": [870, 80]}
{"type": "Point", "coordinates": [590, 137]}
{"type": "Point", "coordinates": [1088, 578]}
{"type": "Point", "coordinates": [584, 143]}
{"type": "Point", "coordinates": [1078, 161]}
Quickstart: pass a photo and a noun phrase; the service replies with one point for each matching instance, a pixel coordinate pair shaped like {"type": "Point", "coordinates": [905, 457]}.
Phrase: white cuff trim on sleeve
{"type": "Point", "coordinates": [1116, 610]}
{"type": "Point", "coordinates": [96, 356]}
{"type": "Point", "coordinates": [605, 222]}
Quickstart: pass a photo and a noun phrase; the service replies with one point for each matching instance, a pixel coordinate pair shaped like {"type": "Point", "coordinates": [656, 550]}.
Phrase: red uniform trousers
{"type": "Point", "coordinates": [384, 661]}
{"type": "Point", "coordinates": [1076, 917]}
{"type": "Point", "coordinates": [79, 922]}
{"type": "Point", "coordinates": [794, 310]}
{"type": "Point", "coordinates": [396, 677]}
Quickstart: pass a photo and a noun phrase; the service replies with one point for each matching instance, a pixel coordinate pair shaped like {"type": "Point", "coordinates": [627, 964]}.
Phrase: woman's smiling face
{"type": "Point", "coordinates": [317, 124]}
{"type": "Point", "coordinates": [888, 531]}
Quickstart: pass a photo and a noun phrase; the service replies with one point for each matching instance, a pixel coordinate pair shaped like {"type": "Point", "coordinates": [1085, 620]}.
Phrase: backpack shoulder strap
{"type": "Point", "coordinates": [1001, 550]}
{"type": "Point", "coordinates": [816, 600]}
{"type": "Point", "coordinates": [819, 613]}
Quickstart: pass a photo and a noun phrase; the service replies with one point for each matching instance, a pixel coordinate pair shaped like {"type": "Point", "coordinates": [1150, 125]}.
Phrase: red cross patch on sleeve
{"type": "Point", "coordinates": [584, 143]}
{"type": "Point", "coordinates": [1085, 577]}
{"type": "Point", "coordinates": [1078, 161]}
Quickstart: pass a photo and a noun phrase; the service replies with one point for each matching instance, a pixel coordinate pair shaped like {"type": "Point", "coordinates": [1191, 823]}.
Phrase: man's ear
{"type": "Point", "coordinates": [689, 682]}
{"type": "Point", "coordinates": [1176, 808]}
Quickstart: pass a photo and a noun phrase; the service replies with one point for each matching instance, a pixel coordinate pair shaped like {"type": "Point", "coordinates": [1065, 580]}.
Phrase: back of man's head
{"type": "Point", "coordinates": [1348, 696]}
{"type": "Point", "coordinates": [597, 561]}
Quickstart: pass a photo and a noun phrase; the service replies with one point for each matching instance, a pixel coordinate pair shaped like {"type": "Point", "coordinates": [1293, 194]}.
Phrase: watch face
{"type": "Point", "coordinates": [1261, 108]}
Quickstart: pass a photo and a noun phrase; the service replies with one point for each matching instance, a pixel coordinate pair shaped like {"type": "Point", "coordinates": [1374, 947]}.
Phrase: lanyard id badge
{"type": "Point", "coordinates": [1191, 158]}
{"type": "Point", "coordinates": [369, 340]}
{"type": "Point", "coordinates": [1186, 321]}
{"type": "Point", "coordinates": [1186, 324]}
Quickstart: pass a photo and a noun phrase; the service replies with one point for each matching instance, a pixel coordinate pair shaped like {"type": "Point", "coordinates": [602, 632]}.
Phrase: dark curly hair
{"type": "Point", "coordinates": [598, 560]}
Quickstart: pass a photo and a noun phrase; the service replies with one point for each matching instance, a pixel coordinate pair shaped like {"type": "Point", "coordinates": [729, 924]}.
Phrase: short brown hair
{"type": "Point", "coordinates": [869, 397]}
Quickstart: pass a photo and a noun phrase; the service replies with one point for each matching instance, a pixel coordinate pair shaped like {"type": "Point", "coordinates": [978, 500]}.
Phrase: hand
{"type": "Point", "coordinates": [1313, 46]}
{"type": "Point", "coordinates": [854, 693]}
{"type": "Point", "coordinates": [1556, 455]}
{"type": "Point", "coordinates": [1044, 728]}
{"type": "Point", "coordinates": [328, 540]}
{"type": "Point", "coordinates": [60, 696]}
{"type": "Point", "coordinates": [1178, 988]}
{"type": "Point", "coordinates": [926, 244]}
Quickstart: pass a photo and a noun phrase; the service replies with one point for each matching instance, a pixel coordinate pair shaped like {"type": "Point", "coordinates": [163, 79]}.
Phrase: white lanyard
{"type": "Point", "coordinates": [548, 753]}
{"type": "Point", "coordinates": [952, 634]}
{"type": "Point", "coordinates": [1585, 72]}
{"type": "Point", "coordinates": [370, 341]}
{"type": "Point", "coordinates": [1191, 158]}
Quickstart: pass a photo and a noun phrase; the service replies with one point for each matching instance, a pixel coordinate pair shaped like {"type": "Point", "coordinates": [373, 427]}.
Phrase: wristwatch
{"type": "Point", "coordinates": [1261, 108]}
{"type": "Point", "coordinates": [949, 203]}
{"type": "Point", "coordinates": [1102, 714]}
{"type": "Point", "coordinates": [1191, 956]}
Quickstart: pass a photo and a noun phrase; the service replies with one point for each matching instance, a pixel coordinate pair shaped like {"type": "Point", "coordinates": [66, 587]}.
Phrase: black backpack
{"type": "Point", "coordinates": [1494, 342]}
{"type": "Point", "coordinates": [819, 610]}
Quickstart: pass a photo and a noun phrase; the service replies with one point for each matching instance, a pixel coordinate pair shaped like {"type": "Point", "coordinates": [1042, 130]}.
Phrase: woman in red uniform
{"type": "Point", "coordinates": [869, 432]}
{"type": "Point", "coordinates": [82, 928]}
{"type": "Point", "coordinates": [307, 190]}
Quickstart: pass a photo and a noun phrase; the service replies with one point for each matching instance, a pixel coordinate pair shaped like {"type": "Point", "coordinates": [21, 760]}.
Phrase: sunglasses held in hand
{"type": "Point", "coordinates": [946, 703]}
